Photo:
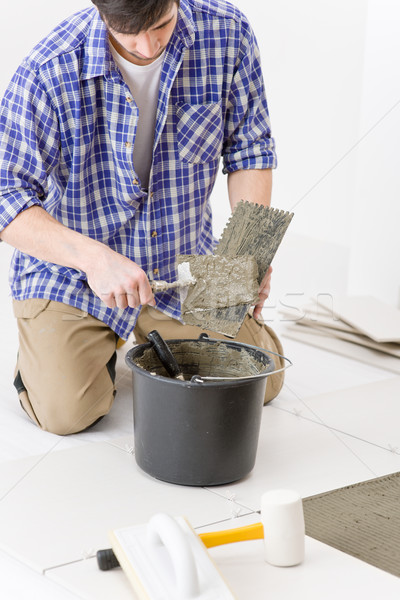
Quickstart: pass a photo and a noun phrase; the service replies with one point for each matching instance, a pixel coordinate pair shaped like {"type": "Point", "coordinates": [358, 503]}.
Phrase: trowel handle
{"type": "Point", "coordinates": [229, 536]}
{"type": "Point", "coordinates": [165, 355]}
{"type": "Point", "coordinates": [158, 285]}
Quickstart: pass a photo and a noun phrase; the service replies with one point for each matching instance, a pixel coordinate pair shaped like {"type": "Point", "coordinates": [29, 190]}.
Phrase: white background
{"type": "Point", "coordinates": [331, 69]}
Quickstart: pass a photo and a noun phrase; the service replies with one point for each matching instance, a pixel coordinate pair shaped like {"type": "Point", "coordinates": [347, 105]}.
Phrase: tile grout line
{"type": "Point", "coordinates": [230, 498]}
{"type": "Point", "coordinates": [66, 564]}
{"type": "Point", "coordinates": [331, 429]}
{"type": "Point", "coordinates": [42, 572]}
{"type": "Point", "coordinates": [354, 437]}
{"type": "Point", "coordinates": [40, 459]}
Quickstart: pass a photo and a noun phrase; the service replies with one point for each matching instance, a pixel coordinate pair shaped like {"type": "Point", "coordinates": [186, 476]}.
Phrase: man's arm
{"type": "Point", "coordinates": [118, 281]}
{"type": "Point", "coordinates": [255, 186]}
{"type": "Point", "coordinates": [26, 113]}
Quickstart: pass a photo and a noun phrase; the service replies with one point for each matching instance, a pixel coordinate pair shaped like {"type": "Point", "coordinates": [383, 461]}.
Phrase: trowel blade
{"type": "Point", "coordinates": [254, 230]}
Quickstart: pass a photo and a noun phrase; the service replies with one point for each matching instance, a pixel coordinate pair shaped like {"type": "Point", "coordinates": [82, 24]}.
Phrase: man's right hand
{"type": "Point", "coordinates": [118, 281]}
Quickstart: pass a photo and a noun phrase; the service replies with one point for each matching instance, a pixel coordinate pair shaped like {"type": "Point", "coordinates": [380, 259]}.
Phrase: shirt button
{"type": "Point", "coordinates": [128, 144]}
{"type": "Point", "coordinates": [129, 99]}
{"type": "Point", "coordinates": [156, 271]}
{"type": "Point", "coordinates": [135, 181]}
{"type": "Point", "coordinates": [154, 234]}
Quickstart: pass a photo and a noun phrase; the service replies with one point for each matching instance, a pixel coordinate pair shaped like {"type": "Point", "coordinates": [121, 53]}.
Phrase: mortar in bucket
{"type": "Point", "coordinates": [202, 431]}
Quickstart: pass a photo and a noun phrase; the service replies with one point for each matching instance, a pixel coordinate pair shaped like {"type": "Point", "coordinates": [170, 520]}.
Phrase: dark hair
{"type": "Point", "coordinates": [132, 16]}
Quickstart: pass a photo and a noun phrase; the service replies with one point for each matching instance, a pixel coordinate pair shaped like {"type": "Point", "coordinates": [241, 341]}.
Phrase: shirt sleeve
{"type": "Point", "coordinates": [29, 145]}
{"type": "Point", "coordinates": [248, 142]}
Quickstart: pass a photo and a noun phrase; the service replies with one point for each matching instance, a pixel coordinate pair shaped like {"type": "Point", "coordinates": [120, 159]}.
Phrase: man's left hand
{"type": "Point", "coordinates": [263, 292]}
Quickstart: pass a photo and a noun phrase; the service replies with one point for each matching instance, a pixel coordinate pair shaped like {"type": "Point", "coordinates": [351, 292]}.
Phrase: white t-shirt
{"type": "Point", "coordinates": [143, 82]}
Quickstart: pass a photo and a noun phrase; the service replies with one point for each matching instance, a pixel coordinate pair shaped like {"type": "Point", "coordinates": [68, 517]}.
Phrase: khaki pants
{"type": "Point", "coordinates": [66, 365]}
{"type": "Point", "coordinates": [65, 370]}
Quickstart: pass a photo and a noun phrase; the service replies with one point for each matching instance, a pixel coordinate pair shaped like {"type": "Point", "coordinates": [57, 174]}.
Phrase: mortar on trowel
{"type": "Point", "coordinates": [212, 282]}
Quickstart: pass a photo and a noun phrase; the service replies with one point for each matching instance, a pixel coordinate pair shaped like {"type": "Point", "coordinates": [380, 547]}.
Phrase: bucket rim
{"type": "Point", "coordinates": [197, 380]}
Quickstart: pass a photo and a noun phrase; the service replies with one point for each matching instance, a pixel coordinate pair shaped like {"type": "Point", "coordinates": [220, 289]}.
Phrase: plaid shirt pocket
{"type": "Point", "coordinates": [199, 131]}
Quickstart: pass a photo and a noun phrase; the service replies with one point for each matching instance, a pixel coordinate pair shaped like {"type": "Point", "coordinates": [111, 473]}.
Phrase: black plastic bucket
{"type": "Point", "coordinates": [204, 430]}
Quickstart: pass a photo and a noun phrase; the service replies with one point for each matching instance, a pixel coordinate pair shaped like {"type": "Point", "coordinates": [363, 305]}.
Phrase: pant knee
{"type": "Point", "coordinates": [66, 365]}
{"type": "Point", "coordinates": [66, 409]}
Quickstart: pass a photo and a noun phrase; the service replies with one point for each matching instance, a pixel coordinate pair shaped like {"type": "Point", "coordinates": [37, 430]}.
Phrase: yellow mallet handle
{"type": "Point", "coordinates": [228, 536]}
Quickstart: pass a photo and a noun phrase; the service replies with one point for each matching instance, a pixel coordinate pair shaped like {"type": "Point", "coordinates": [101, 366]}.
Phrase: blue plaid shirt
{"type": "Point", "coordinates": [67, 129]}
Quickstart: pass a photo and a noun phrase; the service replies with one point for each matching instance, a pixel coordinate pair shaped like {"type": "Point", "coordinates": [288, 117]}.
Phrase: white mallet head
{"type": "Point", "coordinates": [284, 532]}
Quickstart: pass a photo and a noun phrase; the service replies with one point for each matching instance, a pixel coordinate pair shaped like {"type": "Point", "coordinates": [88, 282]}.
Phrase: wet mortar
{"type": "Point", "coordinates": [220, 282]}
{"type": "Point", "coordinates": [216, 359]}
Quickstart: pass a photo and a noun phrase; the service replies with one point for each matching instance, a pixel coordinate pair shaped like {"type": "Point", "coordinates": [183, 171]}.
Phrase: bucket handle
{"type": "Point", "coordinates": [200, 379]}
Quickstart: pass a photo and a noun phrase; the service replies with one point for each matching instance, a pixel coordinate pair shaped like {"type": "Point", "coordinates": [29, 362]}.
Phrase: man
{"type": "Point", "coordinates": [111, 134]}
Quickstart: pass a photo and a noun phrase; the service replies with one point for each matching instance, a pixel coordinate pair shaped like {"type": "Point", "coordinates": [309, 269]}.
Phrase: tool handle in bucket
{"type": "Point", "coordinates": [165, 355]}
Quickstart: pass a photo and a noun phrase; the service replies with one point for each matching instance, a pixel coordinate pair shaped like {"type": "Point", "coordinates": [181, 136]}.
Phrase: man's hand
{"type": "Point", "coordinates": [119, 282]}
{"type": "Point", "coordinates": [263, 292]}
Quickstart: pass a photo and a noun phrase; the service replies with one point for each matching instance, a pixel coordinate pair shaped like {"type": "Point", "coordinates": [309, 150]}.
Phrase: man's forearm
{"type": "Point", "coordinates": [253, 185]}
{"type": "Point", "coordinates": [114, 278]}
{"type": "Point", "coordinates": [38, 234]}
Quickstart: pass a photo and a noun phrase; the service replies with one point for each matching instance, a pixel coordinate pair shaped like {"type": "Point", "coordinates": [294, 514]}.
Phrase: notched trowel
{"type": "Point", "coordinates": [253, 231]}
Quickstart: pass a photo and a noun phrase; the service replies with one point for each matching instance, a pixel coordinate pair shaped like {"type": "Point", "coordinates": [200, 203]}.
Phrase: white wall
{"type": "Point", "coordinates": [312, 55]}
{"type": "Point", "coordinates": [331, 70]}
{"type": "Point", "coordinates": [23, 23]}
{"type": "Point", "coordinates": [375, 249]}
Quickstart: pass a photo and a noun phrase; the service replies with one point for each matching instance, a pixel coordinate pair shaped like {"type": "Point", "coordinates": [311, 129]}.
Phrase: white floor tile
{"type": "Point", "coordinates": [291, 401]}
{"type": "Point", "coordinates": [317, 371]}
{"type": "Point", "coordinates": [86, 581]}
{"type": "Point", "coordinates": [381, 461]}
{"type": "Point", "coordinates": [368, 412]}
{"type": "Point", "coordinates": [67, 503]}
{"type": "Point", "coordinates": [19, 582]}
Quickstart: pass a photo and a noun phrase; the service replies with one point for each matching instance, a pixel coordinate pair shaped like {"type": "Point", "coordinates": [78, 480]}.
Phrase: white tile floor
{"type": "Point", "coordinates": [60, 496]}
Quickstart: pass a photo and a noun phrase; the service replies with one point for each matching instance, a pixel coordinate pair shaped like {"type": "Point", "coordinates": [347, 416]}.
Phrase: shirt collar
{"type": "Point", "coordinates": [185, 28]}
{"type": "Point", "coordinates": [98, 59]}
